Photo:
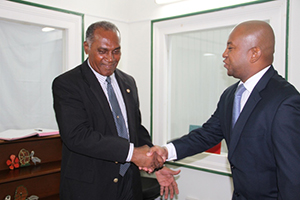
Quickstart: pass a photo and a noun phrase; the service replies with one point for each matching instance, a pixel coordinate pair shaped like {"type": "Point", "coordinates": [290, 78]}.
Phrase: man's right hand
{"type": "Point", "coordinates": [144, 161]}
{"type": "Point", "coordinates": [161, 151]}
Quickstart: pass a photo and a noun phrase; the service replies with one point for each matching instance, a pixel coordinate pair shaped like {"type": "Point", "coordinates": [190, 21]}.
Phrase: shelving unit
{"type": "Point", "coordinates": [41, 179]}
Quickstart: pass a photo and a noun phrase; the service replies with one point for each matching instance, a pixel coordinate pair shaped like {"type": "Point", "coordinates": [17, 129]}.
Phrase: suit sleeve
{"type": "Point", "coordinates": [201, 139]}
{"type": "Point", "coordinates": [286, 140]}
{"type": "Point", "coordinates": [77, 121]}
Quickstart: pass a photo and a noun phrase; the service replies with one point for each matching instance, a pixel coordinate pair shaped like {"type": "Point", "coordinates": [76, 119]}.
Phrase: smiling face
{"type": "Point", "coordinates": [104, 51]}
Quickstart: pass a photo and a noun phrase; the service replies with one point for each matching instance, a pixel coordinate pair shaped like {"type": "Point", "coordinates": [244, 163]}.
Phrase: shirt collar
{"type": "Point", "coordinates": [101, 78]}
{"type": "Point", "coordinates": [253, 80]}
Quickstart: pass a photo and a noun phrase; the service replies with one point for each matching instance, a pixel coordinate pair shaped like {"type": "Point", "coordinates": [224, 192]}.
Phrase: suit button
{"type": "Point", "coordinates": [116, 162]}
{"type": "Point", "coordinates": [116, 180]}
{"type": "Point", "coordinates": [237, 194]}
{"type": "Point", "coordinates": [232, 166]}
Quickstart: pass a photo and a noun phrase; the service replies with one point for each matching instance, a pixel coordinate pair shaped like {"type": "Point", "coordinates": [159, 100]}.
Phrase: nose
{"type": "Point", "coordinates": [109, 57]}
{"type": "Point", "coordinates": [224, 55]}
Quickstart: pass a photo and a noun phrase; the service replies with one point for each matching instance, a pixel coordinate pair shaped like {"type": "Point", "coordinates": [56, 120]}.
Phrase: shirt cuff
{"type": "Point", "coordinates": [172, 155]}
{"type": "Point", "coordinates": [130, 152]}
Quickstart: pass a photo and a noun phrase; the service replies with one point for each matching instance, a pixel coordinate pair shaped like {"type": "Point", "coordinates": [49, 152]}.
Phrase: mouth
{"type": "Point", "coordinates": [225, 64]}
{"type": "Point", "coordinates": [108, 66]}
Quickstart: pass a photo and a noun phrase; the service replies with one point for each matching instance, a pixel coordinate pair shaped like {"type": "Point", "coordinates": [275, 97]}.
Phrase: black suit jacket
{"type": "Point", "coordinates": [92, 150]}
{"type": "Point", "coordinates": [264, 145]}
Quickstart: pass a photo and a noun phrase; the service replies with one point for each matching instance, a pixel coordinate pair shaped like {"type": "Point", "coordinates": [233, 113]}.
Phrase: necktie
{"type": "Point", "coordinates": [237, 103]}
{"type": "Point", "coordinates": [118, 117]}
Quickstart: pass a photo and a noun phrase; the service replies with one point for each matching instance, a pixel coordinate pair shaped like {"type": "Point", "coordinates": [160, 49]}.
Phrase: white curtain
{"type": "Point", "coordinates": [29, 61]}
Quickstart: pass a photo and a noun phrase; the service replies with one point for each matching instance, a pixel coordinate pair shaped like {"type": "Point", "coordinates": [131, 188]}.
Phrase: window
{"type": "Point", "coordinates": [188, 73]}
{"type": "Point", "coordinates": [197, 77]}
{"type": "Point", "coordinates": [30, 59]}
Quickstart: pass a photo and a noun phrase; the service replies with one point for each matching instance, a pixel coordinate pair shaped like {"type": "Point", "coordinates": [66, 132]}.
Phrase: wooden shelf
{"type": "Point", "coordinates": [47, 148]}
{"type": "Point", "coordinates": [53, 197]}
{"type": "Point", "coordinates": [41, 179]}
{"type": "Point", "coordinates": [8, 175]}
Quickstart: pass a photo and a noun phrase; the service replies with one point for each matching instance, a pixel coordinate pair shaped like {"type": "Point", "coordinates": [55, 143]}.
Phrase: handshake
{"type": "Point", "coordinates": [149, 159]}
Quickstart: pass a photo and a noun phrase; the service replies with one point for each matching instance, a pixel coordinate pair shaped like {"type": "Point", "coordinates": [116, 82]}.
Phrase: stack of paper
{"type": "Point", "coordinates": [14, 134]}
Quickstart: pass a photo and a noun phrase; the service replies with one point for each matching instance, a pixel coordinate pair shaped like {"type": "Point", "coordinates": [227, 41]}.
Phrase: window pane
{"type": "Point", "coordinates": [197, 77]}
{"type": "Point", "coordinates": [30, 59]}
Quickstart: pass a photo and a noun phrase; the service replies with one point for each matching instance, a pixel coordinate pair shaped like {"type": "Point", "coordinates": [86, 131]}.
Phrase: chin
{"type": "Point", "coordinates": [229, 73]}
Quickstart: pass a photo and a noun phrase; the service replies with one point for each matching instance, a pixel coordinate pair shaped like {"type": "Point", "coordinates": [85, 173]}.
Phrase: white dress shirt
{"type": "Point", "coordinates": [114, 83]}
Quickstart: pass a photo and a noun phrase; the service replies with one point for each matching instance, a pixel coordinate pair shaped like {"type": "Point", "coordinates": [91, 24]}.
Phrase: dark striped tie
{"type": "Point", "coordinates": [119, 119]}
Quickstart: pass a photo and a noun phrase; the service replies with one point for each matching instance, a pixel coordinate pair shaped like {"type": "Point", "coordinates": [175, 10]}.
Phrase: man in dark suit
{"type": "Point", "coordinates": [264, 142]}
{"type": "Point", "coordinates": [94, 149]}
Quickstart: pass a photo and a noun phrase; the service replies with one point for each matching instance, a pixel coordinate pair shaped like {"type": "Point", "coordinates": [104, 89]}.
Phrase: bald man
{"type": "Point", "coordinates": [264, 139]}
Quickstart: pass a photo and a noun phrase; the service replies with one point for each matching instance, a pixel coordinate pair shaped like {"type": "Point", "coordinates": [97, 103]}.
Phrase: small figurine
{"type": "Point", "coordinates": [8, 197]}
{"type": "Point", "coordinates": [34, 159]}
{"type": "Point", "coordinates": [33, 197]}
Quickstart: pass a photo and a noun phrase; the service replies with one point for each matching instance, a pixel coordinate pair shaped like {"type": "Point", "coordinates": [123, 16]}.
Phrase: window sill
{"type": "Point", "coordinates": [213, 163]}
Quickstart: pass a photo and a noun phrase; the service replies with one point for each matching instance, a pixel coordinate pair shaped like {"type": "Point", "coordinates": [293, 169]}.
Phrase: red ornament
{"type": "Point", "coordinates": [13, 162]}
{"type": "Point", "coordinates": [21, 193]}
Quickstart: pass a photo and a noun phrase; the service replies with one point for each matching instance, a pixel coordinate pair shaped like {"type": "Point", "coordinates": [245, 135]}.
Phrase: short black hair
{"type": "Point", "coordinates": [89, 36]}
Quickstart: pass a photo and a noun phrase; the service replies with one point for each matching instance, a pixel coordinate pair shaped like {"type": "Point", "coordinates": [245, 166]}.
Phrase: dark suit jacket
{"type": "Point", "coordinates": [92, 151]}
{"type": "Point", "coordinates": [263, 147]}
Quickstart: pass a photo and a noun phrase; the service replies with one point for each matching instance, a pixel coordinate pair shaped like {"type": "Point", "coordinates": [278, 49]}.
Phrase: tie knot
{"type": "Point", "coordinates": [108, 80]}
{"type": "Point", "coordinates": [240, 90]}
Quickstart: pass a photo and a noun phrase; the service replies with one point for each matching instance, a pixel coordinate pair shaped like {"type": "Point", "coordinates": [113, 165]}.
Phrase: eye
{"type": "Point", "coordinates": [117, 51]}
{"type": "Point", "coordinates": [101, 51]}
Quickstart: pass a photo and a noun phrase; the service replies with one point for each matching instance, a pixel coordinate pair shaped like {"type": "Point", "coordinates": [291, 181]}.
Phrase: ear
{"type": "Point", "coordinates": [86, 47]}
{"type": "Point", "coordinates": [255, 53]}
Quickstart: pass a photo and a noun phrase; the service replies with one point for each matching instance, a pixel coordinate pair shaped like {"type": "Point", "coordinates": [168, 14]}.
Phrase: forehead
{"type": "Point", "coordinates": [236, 36]}
{"type": "Point", "coordinates": [106, 38]}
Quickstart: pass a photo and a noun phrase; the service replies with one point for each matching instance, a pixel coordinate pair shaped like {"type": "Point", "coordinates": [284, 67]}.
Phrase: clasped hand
{"type": "Point", "coordinates": [144, 161]}
{"type": "Point", "coordinates": [149, 159]}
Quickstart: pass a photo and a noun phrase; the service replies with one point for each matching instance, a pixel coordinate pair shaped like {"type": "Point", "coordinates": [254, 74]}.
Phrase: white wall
{"type": "Point", "coordinates": [133, 17]}
{"type": "Point", "coordinates": [142, 10]}
{"type": "Point", "coordinates": [294, 44]}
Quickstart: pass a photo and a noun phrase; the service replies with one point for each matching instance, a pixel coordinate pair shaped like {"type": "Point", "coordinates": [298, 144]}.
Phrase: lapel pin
{"type": "Point", "coordinates": [128, 90]}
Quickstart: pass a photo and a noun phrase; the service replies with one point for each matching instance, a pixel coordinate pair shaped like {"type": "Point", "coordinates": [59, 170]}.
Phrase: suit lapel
{"type": "Point", "coordinates": [242, 120]}
{"type": "Point", "coordinates": [250, 105]}
{"type": "Point", "coordinates": [96, 89]}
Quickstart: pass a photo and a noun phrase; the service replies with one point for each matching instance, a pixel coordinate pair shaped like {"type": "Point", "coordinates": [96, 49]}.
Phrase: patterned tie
{"type": "Point", "coordinates": [237, 103]}
{"type": "Point", "coordinates": [119, 120]}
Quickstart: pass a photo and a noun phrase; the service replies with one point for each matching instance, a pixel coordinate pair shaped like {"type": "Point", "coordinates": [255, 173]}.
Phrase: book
{"type": "Point", "coordinates": [15, 134]}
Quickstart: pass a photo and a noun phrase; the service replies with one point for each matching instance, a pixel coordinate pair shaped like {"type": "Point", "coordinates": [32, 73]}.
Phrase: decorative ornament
{"type": "Point", "coordinates": [33, 197]}
{"type": "Point", "coordinates": [24, 157]}
{"type": "Point", "coordinates": [8, 197]}
{"type": "Point", "coordinates": [21, 193]}
{"type": "Point", "coordinates": [13, 162]}
{"type": "Point", "coordinates": [34, 159]}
